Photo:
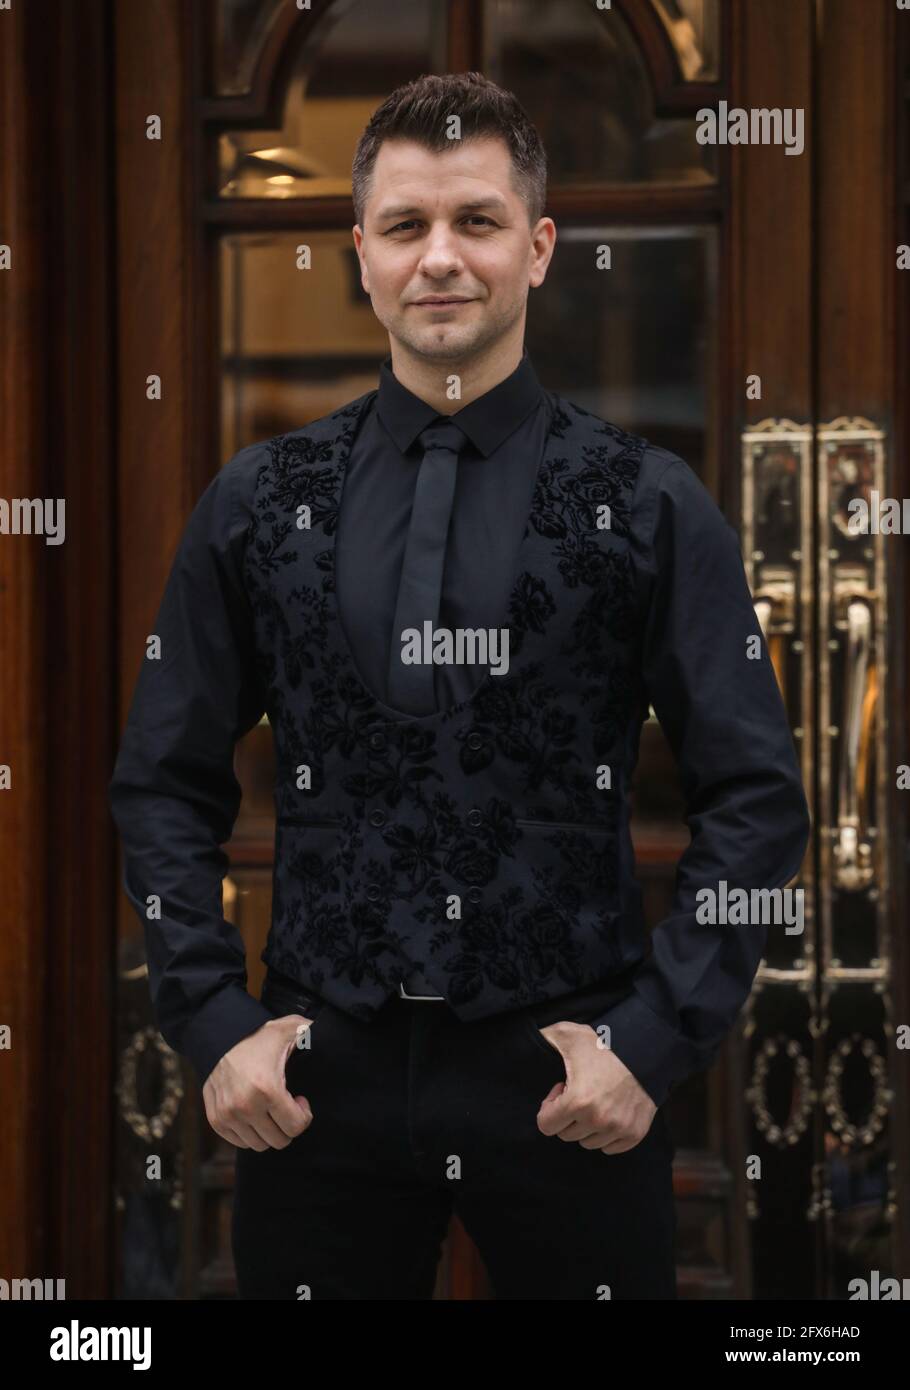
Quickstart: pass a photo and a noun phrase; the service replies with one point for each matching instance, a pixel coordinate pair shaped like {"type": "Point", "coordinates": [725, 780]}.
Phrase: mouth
{"type": "Point", "coordinates": [440, 303]}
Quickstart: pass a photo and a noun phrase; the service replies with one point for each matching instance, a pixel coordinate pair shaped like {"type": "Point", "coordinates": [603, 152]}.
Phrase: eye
{"type": "Point", "coordinates": [474, 217]}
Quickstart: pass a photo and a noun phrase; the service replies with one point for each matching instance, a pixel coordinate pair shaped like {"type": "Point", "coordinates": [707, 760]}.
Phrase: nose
{"type": "Point", "coordinates": [440, 252]}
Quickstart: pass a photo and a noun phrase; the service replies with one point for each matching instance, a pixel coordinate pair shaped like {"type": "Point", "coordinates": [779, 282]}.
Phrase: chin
{"type": "Point", "coordinates": [451, 344]}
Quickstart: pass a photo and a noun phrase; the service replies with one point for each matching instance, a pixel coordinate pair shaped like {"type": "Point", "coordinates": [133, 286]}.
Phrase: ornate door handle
{"type": "Point", "coordinates": [853, 867]}
{"type": "Point", "coordinates": [852, 674]}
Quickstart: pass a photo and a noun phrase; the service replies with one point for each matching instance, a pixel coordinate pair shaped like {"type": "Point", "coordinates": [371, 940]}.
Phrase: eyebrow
{"type": "Point", "coordinates": [492, 203]}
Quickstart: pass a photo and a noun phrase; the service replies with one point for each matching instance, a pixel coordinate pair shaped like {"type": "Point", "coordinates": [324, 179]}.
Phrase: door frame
{"type": "Point", "coordinates": [100, 221]}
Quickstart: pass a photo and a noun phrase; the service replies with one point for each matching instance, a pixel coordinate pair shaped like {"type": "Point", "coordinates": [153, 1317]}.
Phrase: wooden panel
{"type": "Point", "coordinates": [161, 469]}
{"type": "Point", "coordinates": [856, 250]}
{"type": "Point", "coordinates": [56, 840]}
{"type": "Point", "coordinates": [771, 227]}
{"type": "Point", "coordinates": [898, 43]}
{"type": "Point", "coordinates": [22, 733]}
{"type": "Point", "coordinates": [771, 335]}
{"type": "Point", "coordinates": [863, 369]}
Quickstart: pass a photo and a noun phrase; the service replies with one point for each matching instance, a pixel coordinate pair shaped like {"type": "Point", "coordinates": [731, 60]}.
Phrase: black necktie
{"type": "Point", "coordinates": [411, 687]}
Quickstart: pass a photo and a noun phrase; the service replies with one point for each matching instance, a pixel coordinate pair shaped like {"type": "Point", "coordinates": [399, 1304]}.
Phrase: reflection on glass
{"type": "Point", "coordinates": [694, 30]}
{"type": "Point", "coordinates": [252, 908]}
{"type": "Point", "coordinates": [360, 52]}
{"type": "Point", "coordinates": [632, 344]}
{"type": "Point", "coordinates": [295, 344]}
{"type": "Point", "coordinates": [579, 73]}
{"type": "Point", "coordinates": [241, 28]}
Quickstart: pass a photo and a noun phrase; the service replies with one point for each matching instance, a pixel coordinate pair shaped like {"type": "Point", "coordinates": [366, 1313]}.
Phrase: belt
{"type": "Point", "coordinates": [295, 997]}
{"type": "Point", "coordinates": [416, 987]}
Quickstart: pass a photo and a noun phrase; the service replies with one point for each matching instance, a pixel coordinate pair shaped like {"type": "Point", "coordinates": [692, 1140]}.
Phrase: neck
{"type": "Point", "coordinates": [478, 374]}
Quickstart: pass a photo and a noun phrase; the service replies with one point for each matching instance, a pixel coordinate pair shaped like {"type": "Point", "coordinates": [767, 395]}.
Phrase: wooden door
{"type": "Point", "coordinates": [732, 268]}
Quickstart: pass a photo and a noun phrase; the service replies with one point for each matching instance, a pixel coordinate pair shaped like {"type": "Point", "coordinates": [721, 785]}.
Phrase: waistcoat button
{"type": "Point", "coordinates": [373, 891]}
{"type": "Point", "coordinates": [475, 895]}
{"type": "Point", "coordinates": [475, 741]}
{"type": "Point", "coordinates": [377, 817]}
{"type": "Point", "coordinates": [475, 817]}
{"type": "Point", "coordinates": [377, 739]}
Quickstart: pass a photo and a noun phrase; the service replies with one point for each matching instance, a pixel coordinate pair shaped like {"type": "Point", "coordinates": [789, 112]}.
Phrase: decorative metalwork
{"type": "Point", "coordinates": [781, 1136]}
{"type": "Point", "coordinates": [820, 1203]}
{"type": "Point", "coordinates": [832, 1095]}
{"type": "Point", "coordinates": [777, 554]}
{"type": "Point", "coordinates": [154, 1126]}
{"type": "Point", "coordinates": [795, 479]}
{"type": "Point", "coordinates": [853, 628]}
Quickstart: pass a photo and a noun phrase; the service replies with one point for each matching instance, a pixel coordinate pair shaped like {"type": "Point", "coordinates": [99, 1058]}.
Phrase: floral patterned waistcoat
{"type": "Point", "coordinates": [486, 844]}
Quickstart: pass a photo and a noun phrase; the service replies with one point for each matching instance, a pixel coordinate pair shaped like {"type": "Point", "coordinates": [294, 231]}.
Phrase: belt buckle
{"type": "Point", "coordinates": [404, 994]}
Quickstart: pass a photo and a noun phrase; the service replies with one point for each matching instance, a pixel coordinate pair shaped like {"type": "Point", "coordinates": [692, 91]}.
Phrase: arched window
{"type": "Point", "coordinates": [614, 94]}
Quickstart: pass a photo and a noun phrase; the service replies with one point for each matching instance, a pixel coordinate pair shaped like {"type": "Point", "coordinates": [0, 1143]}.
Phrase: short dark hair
{"type": "Point", "coordinates": [420, 110]}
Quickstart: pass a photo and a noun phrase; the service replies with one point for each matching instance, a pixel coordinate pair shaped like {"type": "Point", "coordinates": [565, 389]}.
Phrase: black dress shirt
{"type": "Point", "coordinates": [496, 472]}
{"type": "Point", "coordinates": [175, 799]}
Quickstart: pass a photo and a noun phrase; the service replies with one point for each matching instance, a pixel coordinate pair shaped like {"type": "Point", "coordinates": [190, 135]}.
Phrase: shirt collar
{"type": "Point", "coordinates": [487, 421]}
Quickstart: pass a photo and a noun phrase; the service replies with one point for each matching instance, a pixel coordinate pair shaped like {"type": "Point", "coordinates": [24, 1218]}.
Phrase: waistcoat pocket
{"type": "Point", "coordinates": [573, 865]}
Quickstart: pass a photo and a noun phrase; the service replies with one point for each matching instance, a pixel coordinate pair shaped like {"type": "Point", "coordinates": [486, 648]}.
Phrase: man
{"type": "Point", "coordinates": [455, 598]}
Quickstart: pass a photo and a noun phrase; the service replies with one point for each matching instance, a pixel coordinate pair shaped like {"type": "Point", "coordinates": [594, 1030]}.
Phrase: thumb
{"type": "Point", "coordinates": [303, 1104]}
{"type": "Point", "coordinates": [552, 1116]}
{"type": "Point", "coordinates": [554, 1093]}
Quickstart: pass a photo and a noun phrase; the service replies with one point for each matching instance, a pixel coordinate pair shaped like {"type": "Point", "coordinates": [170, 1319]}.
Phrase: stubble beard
{"type": "Point", "coordinates": [456, 344]}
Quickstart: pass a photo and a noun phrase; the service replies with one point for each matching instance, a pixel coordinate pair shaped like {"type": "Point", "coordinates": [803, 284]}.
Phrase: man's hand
{"type": "Point", "coordinates": [600, 1104]}
{"type": "Point", "coordinates": [246, 1100]}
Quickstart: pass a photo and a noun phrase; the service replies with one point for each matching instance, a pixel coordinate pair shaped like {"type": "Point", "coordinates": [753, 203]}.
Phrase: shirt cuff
{"type": "Point", "coordinates": [655, 1054]}
{"type": "Point", "coordinates": [226, 1017]}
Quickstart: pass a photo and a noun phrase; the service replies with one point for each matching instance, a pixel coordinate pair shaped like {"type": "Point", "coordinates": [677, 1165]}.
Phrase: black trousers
{"type": "Point", "coordinates": [417, 1115]}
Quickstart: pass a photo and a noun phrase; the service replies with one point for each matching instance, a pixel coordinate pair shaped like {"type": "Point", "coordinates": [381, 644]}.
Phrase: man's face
{"type": "Point", "coordinates": [449, 225]}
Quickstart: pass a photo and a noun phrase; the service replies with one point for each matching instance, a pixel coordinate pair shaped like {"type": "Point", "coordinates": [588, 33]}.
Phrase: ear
{"type": "Point", "coordinates": [357, 233]}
